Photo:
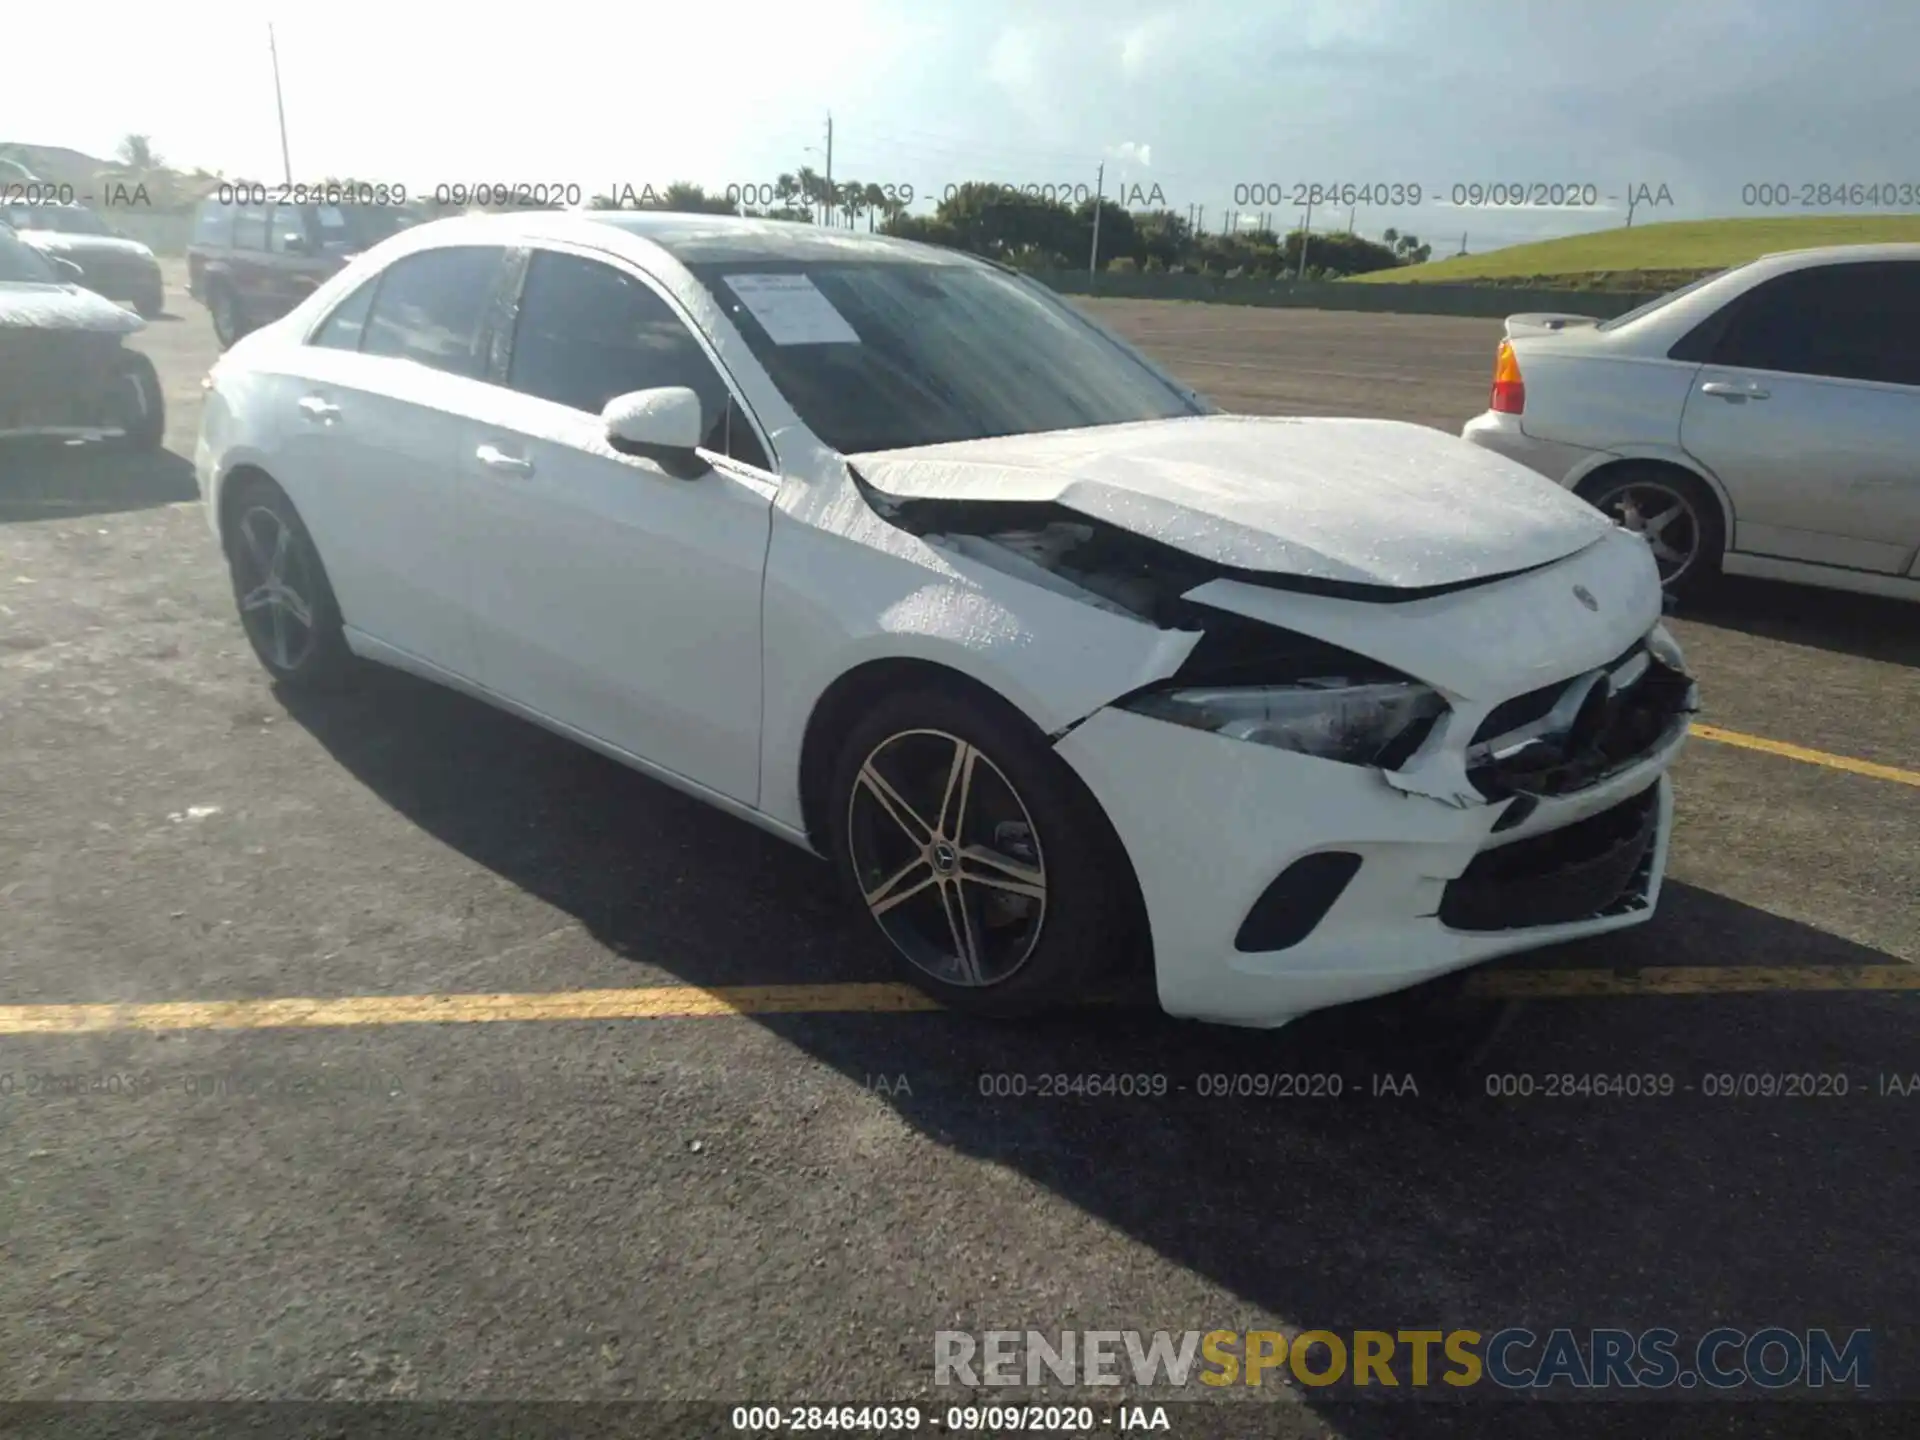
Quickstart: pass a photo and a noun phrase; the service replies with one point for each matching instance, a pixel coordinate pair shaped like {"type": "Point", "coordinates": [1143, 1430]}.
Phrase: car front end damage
{"type": "Point", "coordinates": [1324, 833]}
{"type": "Point", "coordinates": [1381, 750]}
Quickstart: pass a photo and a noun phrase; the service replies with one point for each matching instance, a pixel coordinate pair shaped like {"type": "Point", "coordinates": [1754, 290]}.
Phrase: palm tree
{"type": "Point", "coordinates": [849, 197]}
{"type": "Point", "coordinates": [137, 153]}
{"type": "Point", "coordinates": [813, 189]}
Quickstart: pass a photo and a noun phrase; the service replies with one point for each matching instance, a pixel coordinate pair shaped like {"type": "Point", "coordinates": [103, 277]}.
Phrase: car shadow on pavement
{"type": "Point", "coordinates": [1414, 1173]}
{"type": "Point", "coordinates": [43, 481]}
{"type": "Point", "coordinates": [1871, 627]}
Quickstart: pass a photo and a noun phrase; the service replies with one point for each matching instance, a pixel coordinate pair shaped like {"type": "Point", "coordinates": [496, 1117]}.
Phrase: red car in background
{"type": "Point", "coordinates": [250, 264]}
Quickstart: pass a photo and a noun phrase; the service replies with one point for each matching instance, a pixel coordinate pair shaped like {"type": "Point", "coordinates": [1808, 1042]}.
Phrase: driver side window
{"type": "Point", "coordinates": [587, 332]}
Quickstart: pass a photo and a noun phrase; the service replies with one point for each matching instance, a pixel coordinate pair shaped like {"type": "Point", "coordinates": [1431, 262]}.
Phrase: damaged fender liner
{"type": "Point", "coordinates": [1111, 551]}
{"type": "Point", "coordinates": [1149, 580]}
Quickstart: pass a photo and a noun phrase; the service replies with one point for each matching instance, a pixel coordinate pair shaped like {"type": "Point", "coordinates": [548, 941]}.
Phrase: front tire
{"type": "Point", "coordinates": [1677, 514]}
{"type": "Point", "coordinates": [229, 316]}
{"type": "Point", "coordinates": [285, 601]}
{"type": "Point", "coordinates": [990, 871]}
{"type": "Point", "coordinates": [140, 403]}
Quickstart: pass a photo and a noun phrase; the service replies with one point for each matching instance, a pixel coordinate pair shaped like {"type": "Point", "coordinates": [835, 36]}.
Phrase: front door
{"type": "Point", "coordinates": [609, 594]}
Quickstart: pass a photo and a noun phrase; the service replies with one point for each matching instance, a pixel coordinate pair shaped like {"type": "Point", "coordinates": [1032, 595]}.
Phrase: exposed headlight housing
{"type": "Point", "coordinates": [1664, 648]}
{"type": "Point", "coordinates": [1368, 723]}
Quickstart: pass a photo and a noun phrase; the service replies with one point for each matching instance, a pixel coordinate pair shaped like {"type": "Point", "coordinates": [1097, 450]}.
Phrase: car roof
{"type": "Point", "coordinates": [695, 239]}
{"type": "Point", "coordinates": [1841, 254]}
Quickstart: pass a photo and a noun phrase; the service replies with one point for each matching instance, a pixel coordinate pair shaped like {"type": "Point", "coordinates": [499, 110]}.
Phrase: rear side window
{"type": "Point", "coordinates": [1844, 322]}
{"type": "Point", "coordinates": [432, 306]}
{"type": "Point", "coordinates": [588, 332]}
{"type": "Point", "coordinates": [215, 224]}
{"type": "Point", "coordinates": [343, 328]}
{"type": "Point", "coordinates": [250, 228]}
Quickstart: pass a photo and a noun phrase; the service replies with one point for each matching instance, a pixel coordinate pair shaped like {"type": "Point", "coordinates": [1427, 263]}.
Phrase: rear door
{"type": "Point", "coordinates": [1808, 409]}
{"type": "Point", "coordinates": [610, 595]}
{"type": "Point", "coordinates": [380, 395]}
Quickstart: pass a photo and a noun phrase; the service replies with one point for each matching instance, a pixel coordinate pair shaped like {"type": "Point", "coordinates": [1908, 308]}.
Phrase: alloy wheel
{"type": "Point", "coordinates": [274, 588]}
{"type": "Point", "coordinates": [1665, 518]}
{"type": "Point", "coordinates": [947, 858]}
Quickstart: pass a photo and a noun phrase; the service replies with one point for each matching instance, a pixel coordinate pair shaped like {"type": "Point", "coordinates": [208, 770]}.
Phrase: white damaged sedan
{"type": "Point", "coordinates": [887, 550]}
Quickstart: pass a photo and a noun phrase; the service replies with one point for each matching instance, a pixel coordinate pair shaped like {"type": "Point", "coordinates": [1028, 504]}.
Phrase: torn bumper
{"type": "Point", "coordinates": [1211, 823]}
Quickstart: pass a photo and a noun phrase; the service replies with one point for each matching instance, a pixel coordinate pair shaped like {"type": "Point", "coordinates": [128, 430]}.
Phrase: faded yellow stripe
{"type": "Point", "coordinates": [1810, 757]}
{"type": "Point", "coordinates": [687, 1002]}
{"type": "Point", "coordinates": [1690, 980]}
{"type": "Point", "coordinates": [664, 1002]}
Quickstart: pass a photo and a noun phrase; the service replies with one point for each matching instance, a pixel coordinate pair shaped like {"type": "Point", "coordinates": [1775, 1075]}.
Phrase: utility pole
{"type": "Point", "coordinates": [1306, 231]}
{"type": "Point", "coordinates": [1099, 194]}
{"type": "Point", "coordinates": [279, 104]}
{"type": "Point", "coordinates": [830, 196]}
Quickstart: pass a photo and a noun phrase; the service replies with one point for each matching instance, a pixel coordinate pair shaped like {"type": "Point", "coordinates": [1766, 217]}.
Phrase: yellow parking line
{"type": "Point", "coordinates": [1811, 757]}
{"type": "Point", "coordinates": [689, 1002]}
{"type": "Point", "coordinates": [661, 1002]}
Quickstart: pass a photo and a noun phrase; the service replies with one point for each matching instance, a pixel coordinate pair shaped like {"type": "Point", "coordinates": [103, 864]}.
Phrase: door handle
{"type": "Point", "coordinates": [315, 408]}
{"type": "Point", "coordinates": [494, 458]}
{"type": "Point", "coordinates": [1730, 390]}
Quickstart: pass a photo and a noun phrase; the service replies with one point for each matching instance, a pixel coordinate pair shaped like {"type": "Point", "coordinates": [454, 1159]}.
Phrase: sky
{"type": "Point", "coordinates": [1201, 98]}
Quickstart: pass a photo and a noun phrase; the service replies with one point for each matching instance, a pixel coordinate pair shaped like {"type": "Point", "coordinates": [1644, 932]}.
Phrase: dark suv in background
{"type": "Point", "coordinates": [110, 264]}
{"type": "Point", "coordinates": [249, 264]}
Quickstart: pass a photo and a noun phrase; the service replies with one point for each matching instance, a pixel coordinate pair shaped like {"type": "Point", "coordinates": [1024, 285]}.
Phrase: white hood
{"type": "Point", "coordinates": [1361, 502]}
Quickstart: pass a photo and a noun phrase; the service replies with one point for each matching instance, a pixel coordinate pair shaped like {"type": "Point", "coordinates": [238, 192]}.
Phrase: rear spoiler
{"type": "Point", "coordinates": [1545, 324]}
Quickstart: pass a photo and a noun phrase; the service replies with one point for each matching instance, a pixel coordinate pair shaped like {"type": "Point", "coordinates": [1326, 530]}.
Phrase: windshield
{"type": "Point", "coordinates": [884, 355]}
{"type": "Point", "coordinates": [1659, 302]}
{"type": "Point", "coordinates": [67, 219]}
{"type": "Point", "coordinates": [21, 264]}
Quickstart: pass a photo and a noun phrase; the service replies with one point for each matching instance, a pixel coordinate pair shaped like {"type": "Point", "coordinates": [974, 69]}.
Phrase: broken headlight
{"type": "Point", "coordinates": [1376, 723]}
{"type": "Point", "coordinates": [1663, 647]}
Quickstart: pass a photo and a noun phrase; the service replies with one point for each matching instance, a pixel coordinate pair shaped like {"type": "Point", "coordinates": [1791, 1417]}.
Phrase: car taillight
{"type": "Point", "coordinates": [1509, 390]}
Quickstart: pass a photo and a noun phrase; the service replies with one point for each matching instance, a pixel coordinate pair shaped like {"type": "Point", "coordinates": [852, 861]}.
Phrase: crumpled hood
{"type": "Point", "coordinates": [63, 307]}
{"type": "Point", "coordinates": [1364, 502]}
{"type": "Point", "coordinates": [79, 247]}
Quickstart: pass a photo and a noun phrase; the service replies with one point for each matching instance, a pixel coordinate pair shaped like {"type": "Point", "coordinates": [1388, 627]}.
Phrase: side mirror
{"type": "Point", "coordinates": [663, 425]}
{"type": "Point", "coordinates": [70, 273]}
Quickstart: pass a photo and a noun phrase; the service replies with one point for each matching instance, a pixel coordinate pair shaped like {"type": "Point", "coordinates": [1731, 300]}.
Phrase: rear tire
{"type": "Point", "coordinates": [1675, 510]}
{"type": "Point", "coordinates": [1002, 891]}
{"type": "Point", "coordinates": [286, 603]}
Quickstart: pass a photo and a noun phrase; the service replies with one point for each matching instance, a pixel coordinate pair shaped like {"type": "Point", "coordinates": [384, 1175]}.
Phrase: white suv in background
{"type": "Point", "coordinates": [1762, 421]}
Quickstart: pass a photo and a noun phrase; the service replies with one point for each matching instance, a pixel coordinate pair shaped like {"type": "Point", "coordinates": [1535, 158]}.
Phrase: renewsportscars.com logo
{"type": "Point", "coordinates": [1771, 1358]}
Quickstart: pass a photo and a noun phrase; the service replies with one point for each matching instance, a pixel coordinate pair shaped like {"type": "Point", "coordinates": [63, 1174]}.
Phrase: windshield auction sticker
{"type": "Point", "coordinates": [791, 310]}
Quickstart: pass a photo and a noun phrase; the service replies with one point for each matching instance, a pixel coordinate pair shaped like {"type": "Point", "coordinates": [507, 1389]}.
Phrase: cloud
{"type": "Point", "coordinates": [1131, 152]}
{"type": "Point", "coordinates": [1145, 43]}
{"type": "Point", "coordinates": [1014, 61]}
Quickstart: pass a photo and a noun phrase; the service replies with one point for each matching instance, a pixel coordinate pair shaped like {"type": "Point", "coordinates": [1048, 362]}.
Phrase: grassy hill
{"type": "Point", "coordinates": [1651, 257]}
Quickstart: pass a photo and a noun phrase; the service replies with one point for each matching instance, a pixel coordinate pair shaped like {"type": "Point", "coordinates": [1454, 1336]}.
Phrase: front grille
{"type": "Point", "coordinates": [1536, 705]}
{"type": "Point", "coordinates": [1591, 868]}
{"type": "Point", "coordinates": [1615, 724]}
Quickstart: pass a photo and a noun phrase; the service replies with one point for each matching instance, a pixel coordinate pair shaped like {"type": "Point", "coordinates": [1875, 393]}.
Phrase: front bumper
{"type": "Point", "coordinates": [60, 384]}
{"type": "Point", "coordinates": [1210, 823]}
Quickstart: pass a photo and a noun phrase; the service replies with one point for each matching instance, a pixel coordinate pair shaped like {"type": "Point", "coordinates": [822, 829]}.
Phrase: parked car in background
{"type": "Point", "coordinates": [250, 264]}
{"type": "Point", "coordinates": [1762, 421]}
{"type": "Point", "coordinates": [110, 263]}
{"type": "Point", "coordinates": [64, 373]}
{"type": "Point", "coordinates": [893, 553]}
